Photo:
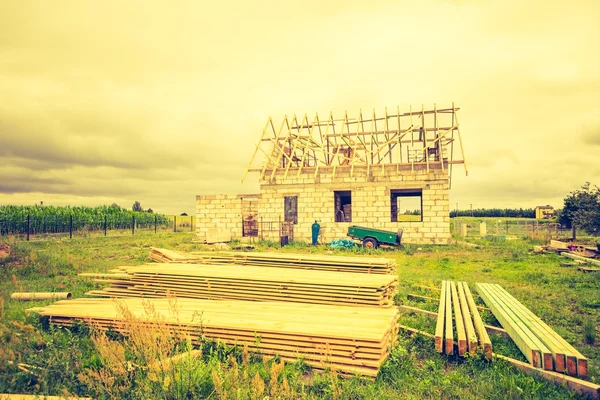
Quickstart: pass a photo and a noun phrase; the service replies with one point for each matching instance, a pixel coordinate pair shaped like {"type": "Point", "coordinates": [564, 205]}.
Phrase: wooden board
{"type": "Point", "coordinates": [484, 339]}
{"type": "Point", "coordinates": [458, 319]}
{"type": "Point", "coordinates": [449, 332]}
{"type": "Point", "coordinates": [439, 328]}
{"type": "Point", "coordinates": [466, 317]}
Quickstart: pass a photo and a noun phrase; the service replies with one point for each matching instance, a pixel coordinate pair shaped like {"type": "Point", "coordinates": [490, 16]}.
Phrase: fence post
{"type": "Point", "coordinates": [71, 226]}
{"type": "Point", "coordinates": [174, 223]}
{"type": "Point", "coordinates": [105, 225]}
{"type": "Point", "coordinates": [191, 223]}
{"type": "Point", "coordinates": [155, 224]}
{"type": "Point", "coordinates": [133, 224]}
{"type": "Point", "coordinates": [28, 225]}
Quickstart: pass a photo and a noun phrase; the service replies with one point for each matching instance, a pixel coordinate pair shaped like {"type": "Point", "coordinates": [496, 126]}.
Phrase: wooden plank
{"type": "Point", "coordinates": [468, 322]}
{"type": "Point", "coordinates": [580, 258]}
{"type": "Point", "coordinates": [484, 339]}
{"type": "Point", "coordinates": [439, 328]}
{"type": "Point", "coordinates": [449, 333]}
{"type": "Point", "coordinates": [458, 320]}
{"type": "Point", "coordinates": [588, 269]}
{"type": "Point", "coordinates": [580, 386]}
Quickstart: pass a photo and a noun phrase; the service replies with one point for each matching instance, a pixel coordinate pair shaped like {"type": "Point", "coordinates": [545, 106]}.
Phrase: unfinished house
{"type": "Point", "coordinates": [391, 171]}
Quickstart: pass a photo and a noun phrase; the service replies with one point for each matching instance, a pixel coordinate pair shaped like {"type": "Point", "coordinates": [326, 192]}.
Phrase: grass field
{"type": "Point", "coordinates": [36, 358]}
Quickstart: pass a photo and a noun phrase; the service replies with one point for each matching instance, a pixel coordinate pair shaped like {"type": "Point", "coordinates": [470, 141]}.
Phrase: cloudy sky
{"type": "Point", "coordinates": [117, 101]}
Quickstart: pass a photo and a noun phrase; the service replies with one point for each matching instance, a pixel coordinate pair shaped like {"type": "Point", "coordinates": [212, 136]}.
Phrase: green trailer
{"type": "Point", "coordinates": [372, 238]}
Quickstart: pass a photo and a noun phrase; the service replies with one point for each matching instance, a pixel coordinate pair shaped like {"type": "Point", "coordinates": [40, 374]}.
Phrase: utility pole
{"type": "Point", "coordinates": [471, 209]}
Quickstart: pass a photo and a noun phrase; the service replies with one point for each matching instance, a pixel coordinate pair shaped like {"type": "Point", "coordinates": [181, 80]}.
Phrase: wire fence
{"type": "Point", "coordinates": [468, 227]}
{"type": "Point", "coordinates": [28, 226]}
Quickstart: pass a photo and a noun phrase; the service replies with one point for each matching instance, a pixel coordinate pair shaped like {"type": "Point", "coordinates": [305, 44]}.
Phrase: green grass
{"type": "Point", "coordinates": [58, 360]}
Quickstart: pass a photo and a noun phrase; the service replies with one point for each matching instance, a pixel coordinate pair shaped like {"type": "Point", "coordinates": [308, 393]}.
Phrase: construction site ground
{"type": "Point", "coordinates": [38, 359]}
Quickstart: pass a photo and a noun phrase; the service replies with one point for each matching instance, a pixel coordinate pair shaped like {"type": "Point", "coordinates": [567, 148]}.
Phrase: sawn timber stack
{"type": "Point", "coordinates": [456, 299]}
{"type": "Point", "coordinates": [351, 340]}
{"type": "Point", "coordinates": [280, 260]}
{"type": "Point", "coordinates": [204, 281]}
{"type": "Point", "coordinates": [541, 345]}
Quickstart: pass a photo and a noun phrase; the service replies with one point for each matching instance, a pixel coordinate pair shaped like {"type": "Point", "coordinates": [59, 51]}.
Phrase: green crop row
{"type": "Point", "coordinates": [51, 219]}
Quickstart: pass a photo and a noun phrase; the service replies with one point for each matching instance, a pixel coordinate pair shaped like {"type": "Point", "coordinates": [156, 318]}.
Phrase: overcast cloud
{"type": "Point", "coordinates": [139, 100]}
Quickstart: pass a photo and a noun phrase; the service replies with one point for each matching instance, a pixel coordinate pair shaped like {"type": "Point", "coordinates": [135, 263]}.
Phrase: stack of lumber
{"type": "Point", "coordinates": [351, 340]}
{"type": "Point", "coordinates": [456, 300]}
{"type": "Point", "coordinates": [280, 260]}
{"type": "Point", "coordinates": [540, 344]}
{"type": "Point", "coordinates": [204, 281]}
{"type": "Point", "coordinates": [169, 256]}
{"type": "Point", "coordinates": [581, 258]}
{"type": "Point", "coordinates": [556, 246]}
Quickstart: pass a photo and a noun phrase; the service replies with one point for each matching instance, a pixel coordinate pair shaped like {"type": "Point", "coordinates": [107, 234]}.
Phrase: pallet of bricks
{"type": "Point", "coordinates": [333, 312]}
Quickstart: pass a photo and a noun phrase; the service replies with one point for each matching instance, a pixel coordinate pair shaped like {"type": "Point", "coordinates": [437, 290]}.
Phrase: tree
{"type": "Point", "coordinates": [582, 209]}
{"type": "Point", "coordinates": [183, 214]}
{"type": "Point", "coordinates": [137, 206]}
{"type": "Point", "coordinates": [150, 210]}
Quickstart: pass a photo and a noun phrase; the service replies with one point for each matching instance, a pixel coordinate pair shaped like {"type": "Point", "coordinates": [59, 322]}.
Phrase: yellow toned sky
{"type": "Point", "coordinates": [117, 101]}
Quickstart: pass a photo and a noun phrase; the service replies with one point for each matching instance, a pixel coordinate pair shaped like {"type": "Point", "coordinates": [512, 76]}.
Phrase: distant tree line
{"type": "Point", "coordinates": [582, 209]}
{"type": "Point", "coordinates": [495, 213]}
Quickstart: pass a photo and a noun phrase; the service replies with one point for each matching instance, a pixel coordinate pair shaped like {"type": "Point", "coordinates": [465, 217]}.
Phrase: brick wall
{"type": "Point", "coordinates": [221, 212]}
{"type": "Point", "coordinates": [371, 202]}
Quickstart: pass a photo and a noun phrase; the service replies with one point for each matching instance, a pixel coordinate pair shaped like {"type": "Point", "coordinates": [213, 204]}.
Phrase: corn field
{"type": "Point", "coordinates": [51, 219]}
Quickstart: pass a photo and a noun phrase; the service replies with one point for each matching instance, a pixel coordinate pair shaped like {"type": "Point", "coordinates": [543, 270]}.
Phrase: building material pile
{"type": "Point", "coordinates": [585, 260]}
{"type": "Point", "coordinates": [280, 260]}
{"type": "Point", "coordinates": [205, 281]}
{"type": "Point", "coordinates": [351, 340]}
{"type": "Point", "coordinates": [456, 299]}
{"type": "Point", "coordinates": [540, 344]}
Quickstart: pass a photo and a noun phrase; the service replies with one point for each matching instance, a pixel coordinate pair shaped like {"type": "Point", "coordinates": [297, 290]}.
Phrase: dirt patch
{"type": "Point", "coordinates": [4, 250]}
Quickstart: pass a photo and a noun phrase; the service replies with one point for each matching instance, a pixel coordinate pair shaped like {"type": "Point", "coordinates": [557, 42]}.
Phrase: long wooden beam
{"type": "Point", "coordinates": [578, 385]}
{"type": "Point", "coordinates": [439, 327]}
{"type": "Point", "coordinates": [565, 355]}
{"type": "Point", "coordinates": [466, 316]}
{"type": "Point", "coordinates": [531, 347]}
{"type": "Point", "coordinates": [484, 339]}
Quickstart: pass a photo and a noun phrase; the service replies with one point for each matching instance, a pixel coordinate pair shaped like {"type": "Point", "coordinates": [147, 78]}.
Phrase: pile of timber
{"type": "Point", "coordinates": [205, 281]}
{"type": "Point", "coordinates": [540, 344]}
{"type": "Point", "coordinates": [585, 260]}
{"type": "Point", "coordinates": [169, 256]}
{"type": "Point", "coordinates": [279, 260]}
{"type": "Point", "coordinates": [456, 300]}
{"type": "Point", "coordinates": [556, 246]}
{"type": "Point", "coordinates": [351, 340]}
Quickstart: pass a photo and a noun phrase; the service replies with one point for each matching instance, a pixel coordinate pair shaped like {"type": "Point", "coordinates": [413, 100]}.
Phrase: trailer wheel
{"type": "Point", "coordinates": [370, 243]}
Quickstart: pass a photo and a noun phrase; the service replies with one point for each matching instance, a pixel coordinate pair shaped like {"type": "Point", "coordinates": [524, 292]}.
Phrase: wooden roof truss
{"type": "Point", "coordinates": [411, 138]}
